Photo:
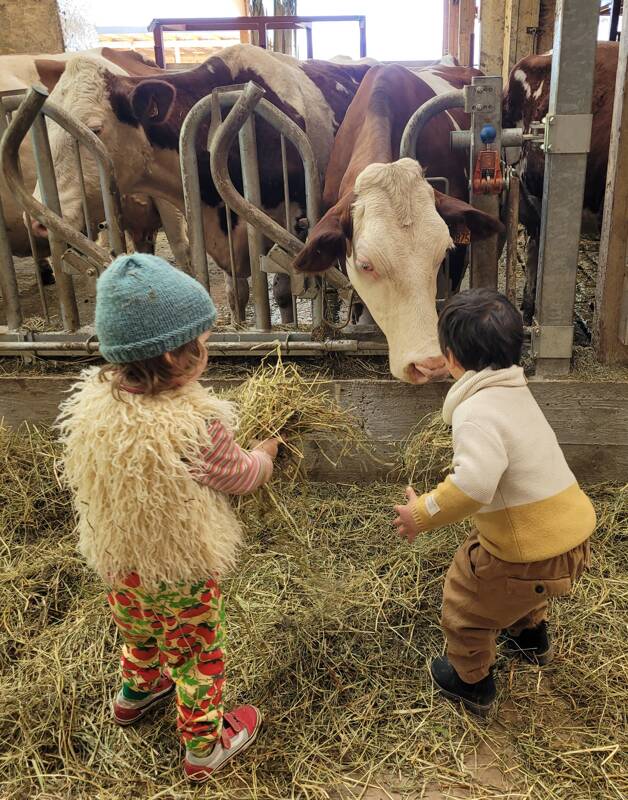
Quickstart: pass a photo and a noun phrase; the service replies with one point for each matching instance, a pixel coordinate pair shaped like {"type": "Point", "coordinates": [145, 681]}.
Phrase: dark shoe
{"type": "Point", "coordinates": [532, 645]}
{"type": "Point", "coordinates": [477, 697]}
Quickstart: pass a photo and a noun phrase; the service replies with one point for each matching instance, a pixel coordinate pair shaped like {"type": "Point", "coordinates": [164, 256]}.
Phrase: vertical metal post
{"type": "Point", "coordinates": [50, 198]}
{"type": "Point", "coordinates": [310, 43]}
{"type": "Point", "coordinates": [89, 229]}
{"type": "Point", "coordinates": [252, 193]}
{"type": "Point", "coordinates": [362, 24]}
{"type": "Point", "coordinates": [485, 106]}
{"type": "Point", "coordinates": [8, 279]}
{"type": "Point", "coordinates": [512, 231]}
{"type": "Point", "coordinates": [567, 138]}
{"type": "Point", "coordinates": [158, 36]}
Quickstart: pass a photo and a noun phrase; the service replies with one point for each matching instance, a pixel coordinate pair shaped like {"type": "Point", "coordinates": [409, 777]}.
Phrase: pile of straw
{"type": "Point", "coordinates": [331, 621]}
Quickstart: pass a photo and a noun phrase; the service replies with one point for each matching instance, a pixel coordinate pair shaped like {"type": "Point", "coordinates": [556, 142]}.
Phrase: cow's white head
{"type": "Point", "coordinates": [84, 90]}
{"type": "Point", "coordinates": [393, 232]}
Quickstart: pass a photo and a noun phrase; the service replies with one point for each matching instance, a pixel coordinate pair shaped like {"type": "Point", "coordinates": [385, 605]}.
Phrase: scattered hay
{"type": "Point", "coordinates": [425, 456]}
{"type": "Point", "coordinates": [332, 621]}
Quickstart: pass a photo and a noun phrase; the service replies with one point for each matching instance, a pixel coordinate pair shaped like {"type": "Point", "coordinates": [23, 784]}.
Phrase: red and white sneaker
{"type": "Point", "coordinates": [126, 712]}
{"type": "Point", "coordinates": [239, 729]}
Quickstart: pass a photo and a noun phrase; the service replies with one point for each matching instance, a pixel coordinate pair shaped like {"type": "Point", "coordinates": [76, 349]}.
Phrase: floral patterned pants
{"type": "Point", "coordinates": [177, 629]}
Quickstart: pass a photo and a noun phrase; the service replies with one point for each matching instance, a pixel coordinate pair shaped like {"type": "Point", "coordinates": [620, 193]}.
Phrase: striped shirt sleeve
{"type": "Point", "coordinates": [228, 468]}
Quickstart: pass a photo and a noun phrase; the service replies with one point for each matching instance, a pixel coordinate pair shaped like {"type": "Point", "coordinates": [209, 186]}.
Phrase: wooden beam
{"type": "Point", "coordinates": [519, 16]}
{"type": "Point", "coordinates": [547, 14]}
{"type": "Point", "coordinates": [242, 10]}
{"type": "Point", "coordinates": [590, 419]}
{"type": "Point", "coordinates": [611, 306]}
{"type": "Point", "coordinates": [454, 26]}
{"type": "Point", "coordinates": [492, 14]}
{"type": "Point", "coordinates": [466, 27]}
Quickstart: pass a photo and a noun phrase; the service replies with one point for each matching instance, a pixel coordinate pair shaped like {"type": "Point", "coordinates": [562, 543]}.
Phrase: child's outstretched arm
{"type": "Point", "coordinates": [229, 468]}
{"type": "Point", "coordinates": [479, 462]}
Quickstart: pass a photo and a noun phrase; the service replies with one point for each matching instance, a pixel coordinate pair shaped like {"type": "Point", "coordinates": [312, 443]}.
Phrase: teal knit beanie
{"type": "Point", "coordinates": [145, 307]}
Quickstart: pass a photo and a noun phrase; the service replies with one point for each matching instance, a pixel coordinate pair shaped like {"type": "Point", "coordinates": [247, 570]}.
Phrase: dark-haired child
{"type": "Point", "coordinates": [532, 520]}
{"type": "Point", "coordinates": [150, 457]}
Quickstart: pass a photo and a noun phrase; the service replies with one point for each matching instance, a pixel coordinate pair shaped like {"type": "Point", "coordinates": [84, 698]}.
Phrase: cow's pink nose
{"type": "Point", "coordinates": [39, 229]}
{"type": "Point", "coordinates": [433, 368]}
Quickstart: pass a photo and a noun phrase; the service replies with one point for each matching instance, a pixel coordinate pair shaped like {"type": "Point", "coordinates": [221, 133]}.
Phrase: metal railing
{"type": "Point", "coordinates": [245, 103]}
{"type": "Point", "coordinates": [72, 252]}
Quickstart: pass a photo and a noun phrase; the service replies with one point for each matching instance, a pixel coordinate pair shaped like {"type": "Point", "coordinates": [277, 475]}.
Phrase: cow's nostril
{"type": "Point", "coordinates": [39, 229]}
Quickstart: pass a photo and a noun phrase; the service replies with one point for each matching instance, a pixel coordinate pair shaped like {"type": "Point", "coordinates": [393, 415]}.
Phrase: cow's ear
{"type": "Point", "coordinates": [152, 100]}
{"type": "Point", "coordinates": [330, 239]}
{"type": "Point", "coordinates": [465, 222]}
{"type": "Point", "coordinates": [49, 71]}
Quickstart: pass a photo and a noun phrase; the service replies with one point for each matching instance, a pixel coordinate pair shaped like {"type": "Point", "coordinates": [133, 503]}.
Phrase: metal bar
{"type": "Point", "coordinates": [511, 137]}
{"type": "Point", "coordinates": [362, 25]}
{"type": "Point", "coordinates": [50, 195]}
{"type": "Point", "coordinates": [158, 38]}
{"type": "Point", "coordinates": [88, 223]}
{"type": "Point", "coordinates": [422, 116]}
{"type": "Point", "coordinates": [244, 103]}
{"type": "Point", "coordinates": [615, 9]}
{"type": "Point", "coordinates": [253, 194]}
{"type": "Point", "coordinates": [234, 272]}
{"type": "Point", "coordinates": [36, 259]}
{"type": "Point", "coordinates": [571, 89]}
{"type": "Point", "coordinates": [486, 109]}
{"type": "Point", "coordinates": [286, 202]}
{"type": "Point", "coordinates": [8, 278]}
{"type": "Point", "coordinates": [9, 149]}
{"type": "Point", "coordinates": [310, 43]}
{"type": "Point", "coordinates": [192, 189]}
{"type": "Point", "coordinates": [224, 348]}
{"type": "Point", "coordinates": [512, 231]}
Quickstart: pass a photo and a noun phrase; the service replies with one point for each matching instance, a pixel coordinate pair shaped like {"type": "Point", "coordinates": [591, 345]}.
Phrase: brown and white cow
{"type": "Point", "coordinates": [139, 121]}
{"type": "Point", "coordinates": [526, 100]}
{"type": "Point", "coordinates": [142, 216]}
{"type": "Point", "coordinates": [385, 222]}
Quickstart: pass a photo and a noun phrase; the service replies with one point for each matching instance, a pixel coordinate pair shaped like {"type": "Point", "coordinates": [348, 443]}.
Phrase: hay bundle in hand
{"type": "Point", "coordinates": [426, 454]}
{"type": "Point", "coordinates": [278, 401]}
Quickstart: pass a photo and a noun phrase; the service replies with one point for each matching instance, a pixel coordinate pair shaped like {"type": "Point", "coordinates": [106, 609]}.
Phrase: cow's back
{"type": "Point", "coordinates": [526, 100]}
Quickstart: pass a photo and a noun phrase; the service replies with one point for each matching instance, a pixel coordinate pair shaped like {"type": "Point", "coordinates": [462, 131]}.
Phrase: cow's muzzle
{"type": "Point", "coordinates": [429, 369]}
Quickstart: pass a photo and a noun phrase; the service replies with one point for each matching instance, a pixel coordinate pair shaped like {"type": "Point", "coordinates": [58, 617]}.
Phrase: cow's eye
{"type": "Point", "coordinates": [364, 266]}
{"type": "Point", "coordinates": [95, 127]}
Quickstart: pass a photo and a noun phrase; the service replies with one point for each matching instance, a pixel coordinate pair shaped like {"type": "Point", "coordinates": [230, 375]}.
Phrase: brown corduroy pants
{"type": "Point", "coordinates": [484, 595]}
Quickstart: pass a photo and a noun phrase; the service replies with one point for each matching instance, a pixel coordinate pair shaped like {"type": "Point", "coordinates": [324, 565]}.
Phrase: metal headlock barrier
{"type": "Point", "coordinates": [72, 252]}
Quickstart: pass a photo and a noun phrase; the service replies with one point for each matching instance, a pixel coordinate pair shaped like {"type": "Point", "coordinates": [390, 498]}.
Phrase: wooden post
{"type": "Point", "coordinates": [611, 302]}
{"type": "Point", "coordinates": [519, 17]}
{"type": "Point", "coordinates": [454, 27]}
{"type": "Point", "coordinates": [466, 27]}
{"type": "Point", "coordinates": [547, 14]}
{"type": "Point", "coordinates": [243, 11]}
{"type": "Point", "coordinates": [492, 36]}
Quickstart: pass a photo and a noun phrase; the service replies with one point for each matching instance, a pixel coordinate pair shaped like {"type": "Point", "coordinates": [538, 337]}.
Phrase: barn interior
{"type": "Point", "coordinates": [332, 619]}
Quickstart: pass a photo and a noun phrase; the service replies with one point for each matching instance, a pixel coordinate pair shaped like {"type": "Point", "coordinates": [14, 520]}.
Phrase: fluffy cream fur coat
{"type": "Point", "coordinates": [129, 463]}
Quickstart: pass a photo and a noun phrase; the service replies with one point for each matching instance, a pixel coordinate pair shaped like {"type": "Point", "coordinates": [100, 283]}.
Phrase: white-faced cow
{"type": "Point", "coordinates": [142, 216]}
{"type": "Point", "coordinates": [526, 100]}
{"type": "Point", "coordinates": [385, 221]}
{"type": "Point", "coordinates": [139, 121]}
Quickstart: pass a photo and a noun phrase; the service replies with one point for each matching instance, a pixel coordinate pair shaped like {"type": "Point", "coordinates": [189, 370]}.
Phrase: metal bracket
{"type": "Point", "coordinates": [479, 98]}
{"type": "Point", "coordinates": [567, 133]}
{"type": "Point", "coordinates": [278, 261]}
{"type": "Point", "coordinates": [74, 263]}
{"type": "Point", "coordinates": [552, 341]}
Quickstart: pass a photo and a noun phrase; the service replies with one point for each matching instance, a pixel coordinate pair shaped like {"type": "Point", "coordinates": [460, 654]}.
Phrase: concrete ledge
{"type": "Point", "coordinates": [590, 419]}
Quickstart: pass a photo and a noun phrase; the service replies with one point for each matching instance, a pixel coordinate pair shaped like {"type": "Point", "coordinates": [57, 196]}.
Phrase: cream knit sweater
{"type": "Point", "coordinates": [509, 472]}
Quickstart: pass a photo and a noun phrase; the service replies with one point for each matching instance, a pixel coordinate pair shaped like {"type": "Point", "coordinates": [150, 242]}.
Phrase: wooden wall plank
{"type": "Point", "coordinates": [611, 306]}
{"type": "Point", "coordinates": [590, 419]}
{"type": "Point", "coordinates": [466, 28]}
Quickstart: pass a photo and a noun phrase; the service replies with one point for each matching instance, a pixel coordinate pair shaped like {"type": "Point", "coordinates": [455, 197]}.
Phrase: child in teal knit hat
{"type": "Point", "coordinates": [151, 458]}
